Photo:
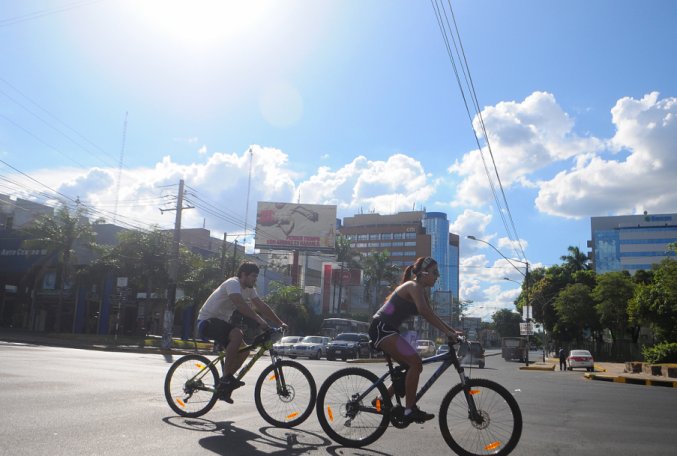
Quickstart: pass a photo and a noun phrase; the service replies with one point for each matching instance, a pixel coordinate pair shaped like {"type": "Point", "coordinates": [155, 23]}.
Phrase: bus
{"type": "Point", "coordinates": [332, 327]}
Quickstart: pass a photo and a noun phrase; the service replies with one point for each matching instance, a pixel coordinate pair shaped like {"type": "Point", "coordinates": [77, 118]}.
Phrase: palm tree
{"type": "Point", "coordinates": [378, 269]}
{"type": "Point", "coordinates": [575, 260]}
{"type": "Point", "coordinates": [342, 246]}
{"type": "Point", "coordinates": [60, 234]}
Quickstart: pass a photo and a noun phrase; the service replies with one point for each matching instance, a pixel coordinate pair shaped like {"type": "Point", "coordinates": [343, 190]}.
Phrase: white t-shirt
{"type": "Point", "coordinates": [218, 304]}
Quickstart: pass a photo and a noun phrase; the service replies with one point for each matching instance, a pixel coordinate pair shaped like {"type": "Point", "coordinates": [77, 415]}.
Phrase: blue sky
{"type": "Point", "coordinates": [353, 103]}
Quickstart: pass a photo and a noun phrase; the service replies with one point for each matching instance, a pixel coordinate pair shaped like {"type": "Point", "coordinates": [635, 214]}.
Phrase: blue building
{"type": "Point", "coordinates": [631, 242]}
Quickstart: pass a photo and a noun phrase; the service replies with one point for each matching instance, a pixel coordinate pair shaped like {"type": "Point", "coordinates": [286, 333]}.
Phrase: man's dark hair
{"type": "Point", "coordinates": [247, 268]}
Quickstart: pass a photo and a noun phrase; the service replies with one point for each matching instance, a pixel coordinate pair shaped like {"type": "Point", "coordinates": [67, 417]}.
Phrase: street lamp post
{"type": "Point", "coordinates": [526, 279]}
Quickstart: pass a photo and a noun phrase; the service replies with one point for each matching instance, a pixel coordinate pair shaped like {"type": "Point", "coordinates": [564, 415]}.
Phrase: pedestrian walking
{"type": "Point", "coordinates": [562, 359]}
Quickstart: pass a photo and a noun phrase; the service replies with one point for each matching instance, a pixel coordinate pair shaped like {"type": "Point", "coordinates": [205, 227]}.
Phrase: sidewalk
{"type": "Point", "coordinates": [610, 372]}
{"type": "Point", "coordinates": [95, 342]}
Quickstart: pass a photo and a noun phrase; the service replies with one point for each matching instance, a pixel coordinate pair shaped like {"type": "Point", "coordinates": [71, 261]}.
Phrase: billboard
{"type": "Point", "coordinates": [290, 226]}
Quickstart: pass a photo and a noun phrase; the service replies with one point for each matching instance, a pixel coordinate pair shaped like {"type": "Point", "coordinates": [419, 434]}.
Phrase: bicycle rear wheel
{"type": "Point", "coordinates": [501, 425]}
{"type": "Point", "coordinates": [343, 417]}
{"type": "Point", "coordinates": [188, 393]}
{"type": "Point", "coordinates": [285, 394]}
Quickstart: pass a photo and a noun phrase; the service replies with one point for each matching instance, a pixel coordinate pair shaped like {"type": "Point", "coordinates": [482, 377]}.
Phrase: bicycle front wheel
{"type": "Point", "coordinates": [190, 386]}
{"type": "Point", "coordinates": [285, 394]}
{"type": "Point", "coordinates": [346, 419]}
{"type": "Point", "coordinates": [498, 430]}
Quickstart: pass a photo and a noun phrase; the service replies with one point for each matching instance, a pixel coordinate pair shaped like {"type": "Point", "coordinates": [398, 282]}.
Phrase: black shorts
{"type": "Point", "coordinates": [215, 329]}
{"type": "Point", "coordinates": [378, 330]}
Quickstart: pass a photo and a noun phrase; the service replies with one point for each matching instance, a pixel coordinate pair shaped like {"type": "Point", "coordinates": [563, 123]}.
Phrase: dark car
{"type": "Point", "coordinates": [471, 354]}
{"type": "Point", "coordinates": [349, 345]}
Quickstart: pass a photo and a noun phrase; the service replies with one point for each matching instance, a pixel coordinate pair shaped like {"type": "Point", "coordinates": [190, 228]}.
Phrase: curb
{"type": "Point", "coordinates": [540, 367]}
{"type": "Point", "coordinates": [632, 381]}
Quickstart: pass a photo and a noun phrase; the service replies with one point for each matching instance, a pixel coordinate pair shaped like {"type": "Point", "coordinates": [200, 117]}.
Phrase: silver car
{"type": "Point", "coordinates": [314, 347]}
{"type": "Point", "coordinates": [283, 346]}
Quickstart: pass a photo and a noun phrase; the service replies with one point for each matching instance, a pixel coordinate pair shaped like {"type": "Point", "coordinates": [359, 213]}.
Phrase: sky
{"type": "Point", "coordinates": [349, 102]}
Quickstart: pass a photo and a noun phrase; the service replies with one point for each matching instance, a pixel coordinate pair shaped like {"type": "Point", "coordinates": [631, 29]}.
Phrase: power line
{"type": "Point", "coordinates": [449, 37]}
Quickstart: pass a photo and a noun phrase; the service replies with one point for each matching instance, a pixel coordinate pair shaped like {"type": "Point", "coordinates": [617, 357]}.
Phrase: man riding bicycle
{"type": "Point", "coordinates": [235, 295]}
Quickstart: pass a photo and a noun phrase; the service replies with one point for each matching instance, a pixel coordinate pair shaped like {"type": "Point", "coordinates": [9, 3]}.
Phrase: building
{"type": "Point", "coordinates": [407, 236]}
{"type": "Point", "coordinates": [631, 242]}
{"type": "Point", "coordinates": [401, 234]}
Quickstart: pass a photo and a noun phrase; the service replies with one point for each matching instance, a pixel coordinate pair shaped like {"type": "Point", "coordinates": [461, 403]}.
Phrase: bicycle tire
{"type": "Point", "coordinates": [503, 420]}
{"type": "Point", "coordinates": [334, 402]}
{"type": "Point", "coordinates": [291, 407]}
{"type": "Point", "coordinates": [184, 399]}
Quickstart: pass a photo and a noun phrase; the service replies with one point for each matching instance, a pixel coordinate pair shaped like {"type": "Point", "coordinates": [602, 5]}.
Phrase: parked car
{"type": "Point", "coordinates": [349, 345]}
{"type": "Point", "coordinates": [425, 347]}
{"type": "Point", "coordinates": [580, 358]}
{"type": "Point", "coordinates": [442, 349]}
{"type": "Point", "coordinates": [471, 354]}
{"type": "Point", "coordinates": [283, 346]}
{"type": "Point", "coordinates": [313, 347]}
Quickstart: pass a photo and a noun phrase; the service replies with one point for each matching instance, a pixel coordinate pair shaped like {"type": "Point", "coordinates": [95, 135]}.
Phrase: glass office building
{"type": "Point", "coordinates": [631, 242]}
{"type": "Point", "coordinates": [437, 226]}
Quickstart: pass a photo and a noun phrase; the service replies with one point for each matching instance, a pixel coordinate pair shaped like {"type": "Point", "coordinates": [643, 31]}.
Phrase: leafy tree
{"type": "Point", "coordinates": [507, 323]}
{"type": "Point", "coordinates": [343, 254]}
{"type": "Point", "coordinates": [377, 270]}
{"type": "Point", "coordinates": [575, 260]}
{"type": "Point", "coordinates": [60, 234]}
{"type": "Point", "coordinates": [612, 294]}
{"type": "Point", "coordinates": [287, 302]}
{"type": "Point", "coordinates": [655, 304]}
{"type": "Point", "coordinates": [576, 312]}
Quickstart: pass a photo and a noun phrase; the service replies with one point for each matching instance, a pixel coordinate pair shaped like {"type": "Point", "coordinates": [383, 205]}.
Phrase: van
{"type": "Point", "coordinates": [425, 347]}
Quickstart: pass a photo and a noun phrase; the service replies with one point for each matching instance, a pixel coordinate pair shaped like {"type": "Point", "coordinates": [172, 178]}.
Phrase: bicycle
{"type": "Point", "coordinates": [476, 417]}
{"type": "Point", "coordinates": [284, 393]}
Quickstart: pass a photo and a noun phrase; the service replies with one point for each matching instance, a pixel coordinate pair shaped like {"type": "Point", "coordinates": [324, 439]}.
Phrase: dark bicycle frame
{"type": "Point", "coordinates": [221, 360]}
{"type": "Point", "coordinates": [447, 359]}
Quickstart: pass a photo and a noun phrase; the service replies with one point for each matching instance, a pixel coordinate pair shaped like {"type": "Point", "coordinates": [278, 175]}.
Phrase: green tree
{"type": "Point", "coordinates": [507, 323]}
{"type": "Point", "coordinates": [576, 312]}
{"type": "Point", "coordinates": [575, 260]}
{"type": "Point", "coordinates": [380, 275]}
{"type": "Point", "coordinates": [287, 302]}
{"type": "Point", "coordinates": [612, 294]}
{"type": "Point", "coordinates": [655, 304]}
{"type": "Point", "coordinates": [60, 234]}
{"type": "Point", "coordinates": [343, 255]}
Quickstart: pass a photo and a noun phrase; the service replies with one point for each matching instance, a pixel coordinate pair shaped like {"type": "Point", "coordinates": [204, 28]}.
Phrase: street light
{"type": "Point", "coordinates": [526, 280]}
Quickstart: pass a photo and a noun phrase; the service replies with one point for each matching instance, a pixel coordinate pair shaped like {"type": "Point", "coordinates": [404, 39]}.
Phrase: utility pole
{"type": "Point", "coordinates": [173, 271]}
{"type": "Point", "coordinates": [223, 254]}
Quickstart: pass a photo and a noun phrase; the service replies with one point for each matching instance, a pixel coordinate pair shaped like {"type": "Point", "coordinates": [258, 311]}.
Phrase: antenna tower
{"type": "Point", "coordinates": [122, 156]}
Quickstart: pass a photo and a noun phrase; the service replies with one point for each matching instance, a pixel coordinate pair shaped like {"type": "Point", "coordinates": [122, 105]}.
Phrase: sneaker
{"type": "Point", "coordinates": [418, 416]}
{"type": "Point", "coordinates": [226, 387]}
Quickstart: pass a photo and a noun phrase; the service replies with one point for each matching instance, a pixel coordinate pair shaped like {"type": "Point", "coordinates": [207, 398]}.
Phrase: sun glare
{"type": "Point", "coordinates": [200, 22]}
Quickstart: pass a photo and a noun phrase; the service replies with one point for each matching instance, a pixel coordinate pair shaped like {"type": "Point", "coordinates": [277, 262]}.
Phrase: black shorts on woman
{"type": "Point", "coordinates": [389, 317]}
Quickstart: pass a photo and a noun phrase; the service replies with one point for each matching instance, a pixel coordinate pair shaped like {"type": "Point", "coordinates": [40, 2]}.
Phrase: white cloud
{"type": "Point", "coordinates": [202, 150]}
{"type": "Point", "coordinates": [644, 180]}
{"type": "Point", "coordinates": [525, 137]}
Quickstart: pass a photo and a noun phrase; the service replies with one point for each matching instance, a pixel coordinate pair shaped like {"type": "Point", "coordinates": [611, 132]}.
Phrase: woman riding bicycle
{"type": "Point", "coordinates": [408, 299]}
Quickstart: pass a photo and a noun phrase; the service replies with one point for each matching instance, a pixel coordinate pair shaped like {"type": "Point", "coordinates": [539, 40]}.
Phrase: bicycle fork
{"type": "Point", "coordinates": [473, 413]}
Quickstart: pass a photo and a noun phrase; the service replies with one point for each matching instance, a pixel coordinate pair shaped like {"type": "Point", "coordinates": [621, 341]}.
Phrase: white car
{"type": "Point", "coordinates": [425, 347]}
{"type": "Point", "coordinates": [314, 347]}
{"type": "Point", "coordinates": [283, 346]}
{"type": "Point", "coordinates": [580, 358]}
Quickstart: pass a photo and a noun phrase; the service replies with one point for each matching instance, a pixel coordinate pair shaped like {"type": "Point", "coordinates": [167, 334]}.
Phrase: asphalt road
{"type": "Point", "coordinates": [61, 401]}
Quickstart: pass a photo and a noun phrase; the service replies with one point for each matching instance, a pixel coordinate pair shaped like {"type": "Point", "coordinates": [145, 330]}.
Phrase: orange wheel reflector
{"type": "Point", "coordinates": [272, 377]}
{"type": "Point", "coordinates": [331, 415]}
{"type": "Point", "coordinates": [292, 415]}
{"type": "Point", "coordinates": [475, 391]}
{"type": "Point", "coordinates": [492, 446]}
{"type": "Point", "coordinates": [378, 405]}
{"type": "Point", "coordinates": [200, 366]}
{"type": "Point", "coordinates": [180, 402]}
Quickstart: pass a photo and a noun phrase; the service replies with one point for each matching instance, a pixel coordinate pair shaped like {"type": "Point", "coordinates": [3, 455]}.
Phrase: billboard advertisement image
{"type": "Point", "coordinates": [291, 226]}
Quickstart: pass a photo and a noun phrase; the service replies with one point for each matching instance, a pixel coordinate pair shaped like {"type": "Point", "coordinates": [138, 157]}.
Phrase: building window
{"type": "Point", "coordinates": [362, 237]}
{"type": "Point", "coordinates": [386, 236]}
{"type": "Point", "coordinates": [410, 236]}
{"type": "Point", "coordinates": [398, 235]}
{"type": "Point", "coordinates": [410, 244]}
{"type": "Point", "coordinates": [374, 236]}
